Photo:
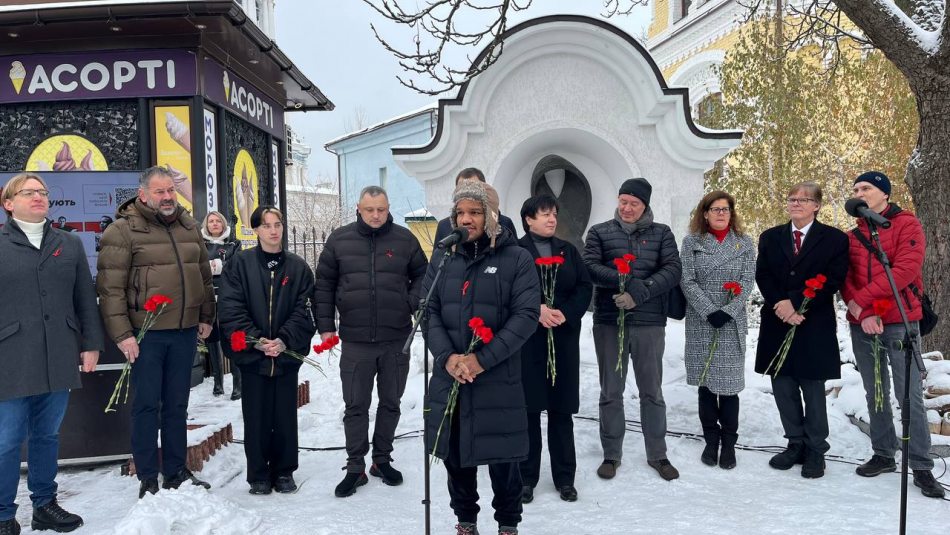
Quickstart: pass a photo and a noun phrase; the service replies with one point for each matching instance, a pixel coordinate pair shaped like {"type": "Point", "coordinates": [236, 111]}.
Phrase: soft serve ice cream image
{"type": "Point", "coordinates": [17, 75]}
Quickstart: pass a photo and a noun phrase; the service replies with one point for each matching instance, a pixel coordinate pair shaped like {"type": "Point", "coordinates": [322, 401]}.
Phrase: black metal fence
{"type": "Point", "coordinates": [306, 244]}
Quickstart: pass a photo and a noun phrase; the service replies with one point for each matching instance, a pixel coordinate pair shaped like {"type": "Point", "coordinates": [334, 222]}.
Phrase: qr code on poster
{"type": "Point", "coordinates": [124, 194]}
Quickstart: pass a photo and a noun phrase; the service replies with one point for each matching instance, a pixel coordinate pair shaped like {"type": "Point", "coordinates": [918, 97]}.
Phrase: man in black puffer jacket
{"type": "Point", "coordinates": [655, 271]}
{"type": "Point", "coordinates": [265, 292]}
{"type": "Point", "coordinates": [371, 271]}
{"type": "Point", "coordinates": [489, 277]}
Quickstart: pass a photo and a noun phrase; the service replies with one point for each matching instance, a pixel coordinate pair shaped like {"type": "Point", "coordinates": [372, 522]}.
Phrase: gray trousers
{"type": "Point", "coordinates": [644, 353]}
{"type": "Point", "coordinates": [359, 365]}
{"type": "Point", "coordinates": [883, 436]}
{"type": "Point", "coordinates": [802, 409]}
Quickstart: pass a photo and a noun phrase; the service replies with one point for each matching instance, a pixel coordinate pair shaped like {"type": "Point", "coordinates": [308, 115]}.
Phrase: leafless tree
{"type": "Point", "coordinates": [441, 24]}
{"type": "Point", "coordinates": [358, 121]}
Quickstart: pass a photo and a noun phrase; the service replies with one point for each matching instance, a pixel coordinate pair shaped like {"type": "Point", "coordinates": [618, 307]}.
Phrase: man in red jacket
{"type": "Point", "coordinates": [873, 313]}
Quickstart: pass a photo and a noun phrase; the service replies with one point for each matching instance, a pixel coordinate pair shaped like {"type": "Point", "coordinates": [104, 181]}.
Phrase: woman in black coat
{"type": "Point", "coordinates": [221, 247]}
{"type": "Point", "coordinates": [558, 395]}
{"type": "Point", "coordinates": [790, 254]}
{"type": "Point", "coordinates": [265, 292]}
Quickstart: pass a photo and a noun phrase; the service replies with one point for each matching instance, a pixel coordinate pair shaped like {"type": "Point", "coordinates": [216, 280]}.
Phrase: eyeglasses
{"type": "Point", "coordinates": [720, 211]}
{"type": "Point", "coordinates": [799, 200]}
{"type": "Point", "coordinates": [32, 192]}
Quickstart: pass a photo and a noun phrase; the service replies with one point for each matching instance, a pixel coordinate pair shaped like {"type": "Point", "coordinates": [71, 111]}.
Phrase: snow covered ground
{"type": "Point", "coordinates": [752, 498]}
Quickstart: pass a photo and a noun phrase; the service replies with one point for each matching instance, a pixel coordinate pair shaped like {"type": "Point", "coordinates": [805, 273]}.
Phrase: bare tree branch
{"type": "Point", "coordinates": [613, 8]}
{"type": "Point", "coordinates": [438, 23]}
{"type": "Point", "coordinates": [438, 28]}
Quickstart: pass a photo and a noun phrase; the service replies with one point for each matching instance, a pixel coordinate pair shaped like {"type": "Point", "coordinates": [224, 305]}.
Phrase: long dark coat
{"type": "Point", "coordinates": [781, 274]}
{"type": "Point", "coordinates": [501, 287]}
{"type": "Point", "coordinates": [48, 314]}
{"type": "Point", "coordinates": [572, 293]}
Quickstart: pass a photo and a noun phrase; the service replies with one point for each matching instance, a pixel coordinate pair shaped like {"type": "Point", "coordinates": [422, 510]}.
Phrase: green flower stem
{"type": "Point", "coordinates": [449, 411]}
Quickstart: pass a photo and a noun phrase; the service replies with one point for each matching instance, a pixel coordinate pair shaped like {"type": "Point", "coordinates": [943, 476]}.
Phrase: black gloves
{"type": "Point", "coordinates": [718, 318]}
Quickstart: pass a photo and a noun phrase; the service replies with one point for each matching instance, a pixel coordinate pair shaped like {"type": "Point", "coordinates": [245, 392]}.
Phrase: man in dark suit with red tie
{"type": "Point", "coordinates": [790, 254]}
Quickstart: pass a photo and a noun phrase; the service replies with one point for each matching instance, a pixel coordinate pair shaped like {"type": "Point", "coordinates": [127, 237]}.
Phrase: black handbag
{"type": "Point", "coordinates": [930, 318]}
{"type": "Point", "coordinates": [676, 303]}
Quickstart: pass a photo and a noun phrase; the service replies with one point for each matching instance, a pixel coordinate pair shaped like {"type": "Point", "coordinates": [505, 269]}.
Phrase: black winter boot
{"type": "Point", "coordinates": [149, 486]}
{"type": "Point", "coordinates": [729, 419]}
{"type": "Point", "coordinates": [387, 473]}
{"type": "Point", "coordinates": [708, 417]}
{"type": "Point", "coordinates": [350, 483]}
{"type": "Point", "coordinates": [789, 457]}
{"type": "Point", "coordinates": [52, 516]}
{"type": "Point", "coordinates": [183, 475]}
{"type": "Point", "coordinates": [9, 527]}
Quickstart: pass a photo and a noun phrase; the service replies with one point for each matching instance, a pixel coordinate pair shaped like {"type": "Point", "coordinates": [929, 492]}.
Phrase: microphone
{"type": "Point", "coordinates": [859, 208]}
{"type": "Point", "coordinates": [458, 235]}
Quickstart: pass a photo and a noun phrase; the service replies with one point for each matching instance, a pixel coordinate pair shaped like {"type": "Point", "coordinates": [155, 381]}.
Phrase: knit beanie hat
{"type": "Point", "coordinates": [483, 194]}
{"type": "Point", "coordinates": [877, 179]}
{"type": "Point", "coordinates": [638, 187]}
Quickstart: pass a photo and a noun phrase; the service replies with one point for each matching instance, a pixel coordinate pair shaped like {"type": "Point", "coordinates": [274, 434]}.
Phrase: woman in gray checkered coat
{"type": "Point", "coordinates": [714, 254]}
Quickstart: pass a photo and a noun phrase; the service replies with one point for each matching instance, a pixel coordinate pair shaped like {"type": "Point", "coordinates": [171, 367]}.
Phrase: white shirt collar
{"type": "Point", "coordinates": [804, 230]}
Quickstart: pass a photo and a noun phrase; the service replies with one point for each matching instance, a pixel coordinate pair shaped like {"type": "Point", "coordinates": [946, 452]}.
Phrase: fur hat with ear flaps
{"type": "Point", "coordinates": [484, 194]}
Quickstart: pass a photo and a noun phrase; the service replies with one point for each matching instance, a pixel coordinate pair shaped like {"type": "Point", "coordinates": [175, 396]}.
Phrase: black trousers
{"type": "Point", "coordinates": [161, 382]}
{"type": "Point", "coordinates": [269, 405]}
{"type": "Point", "coordinates": [806, 424]}
{"type": "Point", "coordinates": [463, 486]}
{"type": "Point", "coordinates": [560, 448]}
{"type": "Point", "coordinates": [362, 364]}
{"type": "Point", "coordinates": [719, 416]}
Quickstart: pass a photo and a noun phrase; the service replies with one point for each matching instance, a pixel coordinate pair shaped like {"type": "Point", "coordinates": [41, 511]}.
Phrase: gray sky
{"type": "Point", "coordinates": [332, 43]}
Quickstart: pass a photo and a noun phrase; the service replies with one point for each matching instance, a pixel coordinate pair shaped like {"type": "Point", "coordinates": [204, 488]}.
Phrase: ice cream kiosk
{"type": "Point", "coordinates": [91, 93]}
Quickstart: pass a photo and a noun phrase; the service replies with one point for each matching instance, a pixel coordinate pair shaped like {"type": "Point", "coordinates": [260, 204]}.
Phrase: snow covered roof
{"type": "Point", "coordinates": [419, 213]}
{"type": "Point", "coordinates": [399, 118]}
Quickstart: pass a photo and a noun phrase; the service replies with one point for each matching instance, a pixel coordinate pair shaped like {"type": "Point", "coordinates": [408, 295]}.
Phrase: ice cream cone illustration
{"type": "Point", "coordinates": [64, 159]}
{"type": "Point", "coordinates": [182, 183]}
{"type": "Point", "coordinates": [178, 130]}
{"type": "Point", "coordinates": [86, 164]}
{"type": "Point", "coordinates": [227, 86]}
{"type": "Point", "coordinates": [245, 199]}
{"type": "Point", "coordinates": [17, 75]}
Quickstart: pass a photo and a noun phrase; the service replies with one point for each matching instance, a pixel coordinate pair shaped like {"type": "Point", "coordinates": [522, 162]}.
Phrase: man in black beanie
{"type": "Point", "coordinates": [653, 273]}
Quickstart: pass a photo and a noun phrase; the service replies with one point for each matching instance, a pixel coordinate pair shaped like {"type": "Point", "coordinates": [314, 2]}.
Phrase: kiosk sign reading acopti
{"type": "Point", "coordinates": [98, 75]}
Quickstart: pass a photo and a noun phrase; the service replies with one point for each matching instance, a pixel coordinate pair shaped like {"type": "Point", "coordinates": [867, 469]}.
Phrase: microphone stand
{"type": "Point", "coordinates": [911, 347]}
{"type": "Point", "coordinates": [422, 317]}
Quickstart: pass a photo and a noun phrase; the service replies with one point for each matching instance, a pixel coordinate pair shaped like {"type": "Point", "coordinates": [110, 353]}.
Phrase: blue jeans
{"type": "Point", "coordinates": [39, 417]}
{"type": "Point", "coordinates": [161, 383]}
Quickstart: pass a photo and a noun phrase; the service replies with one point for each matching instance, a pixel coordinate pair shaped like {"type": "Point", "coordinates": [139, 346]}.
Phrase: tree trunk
{"type": "Point", "coordinates": [928, 177]}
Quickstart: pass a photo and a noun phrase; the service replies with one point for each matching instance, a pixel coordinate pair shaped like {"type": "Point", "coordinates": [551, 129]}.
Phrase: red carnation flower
{"type": "Point", "coordinates": [238, 341]}
{"type": "Point", "coordinates": [485, 333]}
{"type": "Point", "coordinates": [813, 283]}
{"type": "Point", "coordinates": [733, 287]}
{"type": "Point", "coordinates": [629, 257]}
{"type": "Point", "coordinates": [557, 260]}
{"type": "Point", "coordinates": [882, 306]}
{"type": "Point", "coordinates": [809, 293]}
{"type": "Point", "coordinates": [475, 323]}
{"type": "Point", "coordinates": [150, 306]}
{"type": "Point", "coordinates": [821, 278]}
{"type": "Point", "coordinates": [622, 266]}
